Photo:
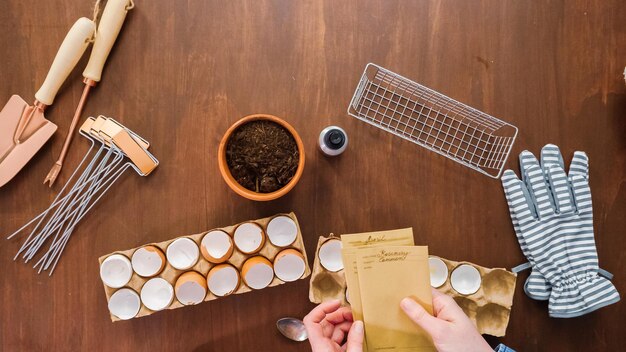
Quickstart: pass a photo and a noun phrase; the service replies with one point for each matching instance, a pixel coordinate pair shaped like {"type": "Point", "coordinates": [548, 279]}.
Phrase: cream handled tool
{"type": "Point", "coordinates": [108, 29]}
{"type": "Point", "coordinates": [70, 51]}
{"type": "Point", "coordinates": [23, 128]}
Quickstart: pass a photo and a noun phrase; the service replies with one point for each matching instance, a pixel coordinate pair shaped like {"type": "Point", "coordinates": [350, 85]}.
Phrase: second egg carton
{"type": "Point", "coordinates": [489, 308]}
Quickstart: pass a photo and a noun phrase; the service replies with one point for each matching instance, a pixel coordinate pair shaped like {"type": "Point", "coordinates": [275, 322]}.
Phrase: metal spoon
{"type": "Point", "coordinates": [292, 329]}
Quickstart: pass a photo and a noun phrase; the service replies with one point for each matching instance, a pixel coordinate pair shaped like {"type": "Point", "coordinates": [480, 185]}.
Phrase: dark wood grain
{"type": "Point", "coordinates": [183, 71]}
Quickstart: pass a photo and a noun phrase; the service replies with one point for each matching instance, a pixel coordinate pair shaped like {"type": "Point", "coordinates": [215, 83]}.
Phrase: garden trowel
{"type": "Point", "coordinates": [24, 128]}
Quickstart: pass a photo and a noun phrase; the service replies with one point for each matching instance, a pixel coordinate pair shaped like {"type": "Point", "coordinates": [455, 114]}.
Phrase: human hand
{"type": "Point", "coordinates": [450, 329]}
{"type": "Point", "coordinates": [327, 326]}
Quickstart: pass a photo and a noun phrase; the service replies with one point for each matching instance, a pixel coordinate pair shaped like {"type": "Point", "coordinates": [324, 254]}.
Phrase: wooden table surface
{"type": "Point", "coordinates": [183, 71]}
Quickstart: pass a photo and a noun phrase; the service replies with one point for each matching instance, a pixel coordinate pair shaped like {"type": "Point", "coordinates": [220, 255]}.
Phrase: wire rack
{"type": "Point", "coordinates": [432, 120]}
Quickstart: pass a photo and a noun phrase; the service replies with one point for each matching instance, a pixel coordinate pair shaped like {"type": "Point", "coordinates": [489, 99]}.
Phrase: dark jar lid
{"type": "Point", "coordinates": [335, 139]}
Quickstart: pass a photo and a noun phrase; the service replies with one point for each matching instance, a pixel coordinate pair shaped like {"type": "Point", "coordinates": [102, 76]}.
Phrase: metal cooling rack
{"type": "Point", "coordinates": [432, 120]}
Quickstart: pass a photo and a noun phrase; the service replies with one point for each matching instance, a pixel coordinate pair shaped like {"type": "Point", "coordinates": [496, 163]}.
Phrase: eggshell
{"type": "Point", "coordinates": [249, 237]}
{"type": "Point", "coordinates": [216, 246]}
{"type": "Point", "coordinates": [148, 261]}
{"type": "Point", "coordinates": [124, 303]}
{"type": "Point", "coordinates": [438, 272]}
{"type": "Point", "coordinates": [282, 231]}
{"type": "Point", "coordinates": [116, 271]}
{"type": "Point", "coordinates": [183, 253]}
{"type": "Point", "coordinates": [157, 294]}
{"type": "Point", "coordinates": [465, 279]}
{"type": "Point", "coordinates": [190, 288]}
{"type": "Point", "coordinates": [223, 280]}
{"type": "Point", "coordinates": [330, 255]}
{"type": "Point", "coordinates": [289, 265]}
{"type": "Point", "coordinates": [257, 272]}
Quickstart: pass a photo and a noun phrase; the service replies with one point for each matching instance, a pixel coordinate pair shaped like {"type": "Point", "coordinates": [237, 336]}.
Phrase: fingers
{"type": "Point", "coordinates": [340, 331]}
{"type": "Point", "coordinates": [444, 303]}
{"type": "Point", "coordinates": [355, 337]}
{"type": "Point", "coordinates": [319, 313]}
{"type": "Point", "coordinates": [314, 321]}
{"type": "Point", "coordinates": [340, 315]}
{"type": "Point", "coordinates": [420, 316]}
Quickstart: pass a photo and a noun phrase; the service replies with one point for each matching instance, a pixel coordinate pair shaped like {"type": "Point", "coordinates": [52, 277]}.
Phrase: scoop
{"type": "Point", "coordinates": [292, 329]}
{"type": "Point", "coordinates": [24, 128]}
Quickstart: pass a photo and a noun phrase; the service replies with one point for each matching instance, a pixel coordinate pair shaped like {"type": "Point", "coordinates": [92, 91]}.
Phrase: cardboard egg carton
{"type": "Point", "coordinates": [489, 308]}
{"type": "Point", "coordinates": [237, 259]}
{"type": "Point", "coordinates": [326, 285]}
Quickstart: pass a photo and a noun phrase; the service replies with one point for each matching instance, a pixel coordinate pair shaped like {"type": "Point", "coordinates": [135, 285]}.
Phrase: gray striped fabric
{"type": "Point", "coordinates": [552, 216]}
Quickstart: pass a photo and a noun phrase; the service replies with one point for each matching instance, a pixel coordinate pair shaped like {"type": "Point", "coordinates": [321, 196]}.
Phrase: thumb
{"type": "Point", "coordinates": [355, 337]}
{"type": "Point", "coordinates": [420, 316]}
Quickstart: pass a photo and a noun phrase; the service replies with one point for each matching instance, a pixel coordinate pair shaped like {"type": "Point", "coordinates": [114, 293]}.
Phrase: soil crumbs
{"type": "Point", "coordinates": [262, 156]}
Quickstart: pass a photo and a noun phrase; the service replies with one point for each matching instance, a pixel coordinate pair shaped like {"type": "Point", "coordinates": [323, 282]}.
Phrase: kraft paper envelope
{"type": "Point", "coordinates": [387, 275]}
{"type": "Point", "coordinates": [350, 245]}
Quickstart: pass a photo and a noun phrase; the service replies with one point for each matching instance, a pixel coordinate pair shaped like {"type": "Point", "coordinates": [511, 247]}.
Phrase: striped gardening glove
{"type": "Point", "coordinates": [552, 217]}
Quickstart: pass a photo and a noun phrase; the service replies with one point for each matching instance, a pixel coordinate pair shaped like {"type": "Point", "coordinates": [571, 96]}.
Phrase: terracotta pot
{"type": "Point", "coordinates": [241, 190]}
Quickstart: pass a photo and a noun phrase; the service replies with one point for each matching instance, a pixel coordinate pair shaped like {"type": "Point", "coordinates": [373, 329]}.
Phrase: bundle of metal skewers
{"type": "Point", "coordinates": [114, 149]}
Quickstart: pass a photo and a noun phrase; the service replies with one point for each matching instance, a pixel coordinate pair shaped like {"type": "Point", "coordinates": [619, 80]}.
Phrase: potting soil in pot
{"type": "Point", "coordinates": [262, 156]}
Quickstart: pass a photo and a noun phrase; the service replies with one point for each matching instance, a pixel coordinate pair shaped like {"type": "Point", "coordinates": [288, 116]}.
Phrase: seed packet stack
{"type": "Point", "coordinates": [382, 268]}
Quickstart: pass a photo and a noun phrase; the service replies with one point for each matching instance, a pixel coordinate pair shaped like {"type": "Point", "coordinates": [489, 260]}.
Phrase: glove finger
{"type": "Point", "coordinates": [542, 197]}
{"type": "Point", "coordinates": [560, 188]}
{"type": "Point", "coordinates": [579, 165]}
{"type": "Point", "coordinates": [517, 196]}
{"type": "Point", "coordinates": [520, 207]}
{"type": "Point", "coordinates": [527, 160]}
{"type": "Point", "coordinates": [551, 156]}
{"type": "Point", "coordinates": [582, 194]}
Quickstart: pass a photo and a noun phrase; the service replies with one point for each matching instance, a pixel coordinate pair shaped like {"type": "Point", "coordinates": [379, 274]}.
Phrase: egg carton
{"type": "Point", "coordinates": [324, 284]}
{"type": "Point", "coordinates": [171, 274]}
{"type": "Point", "coordinates": [489, 307]}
